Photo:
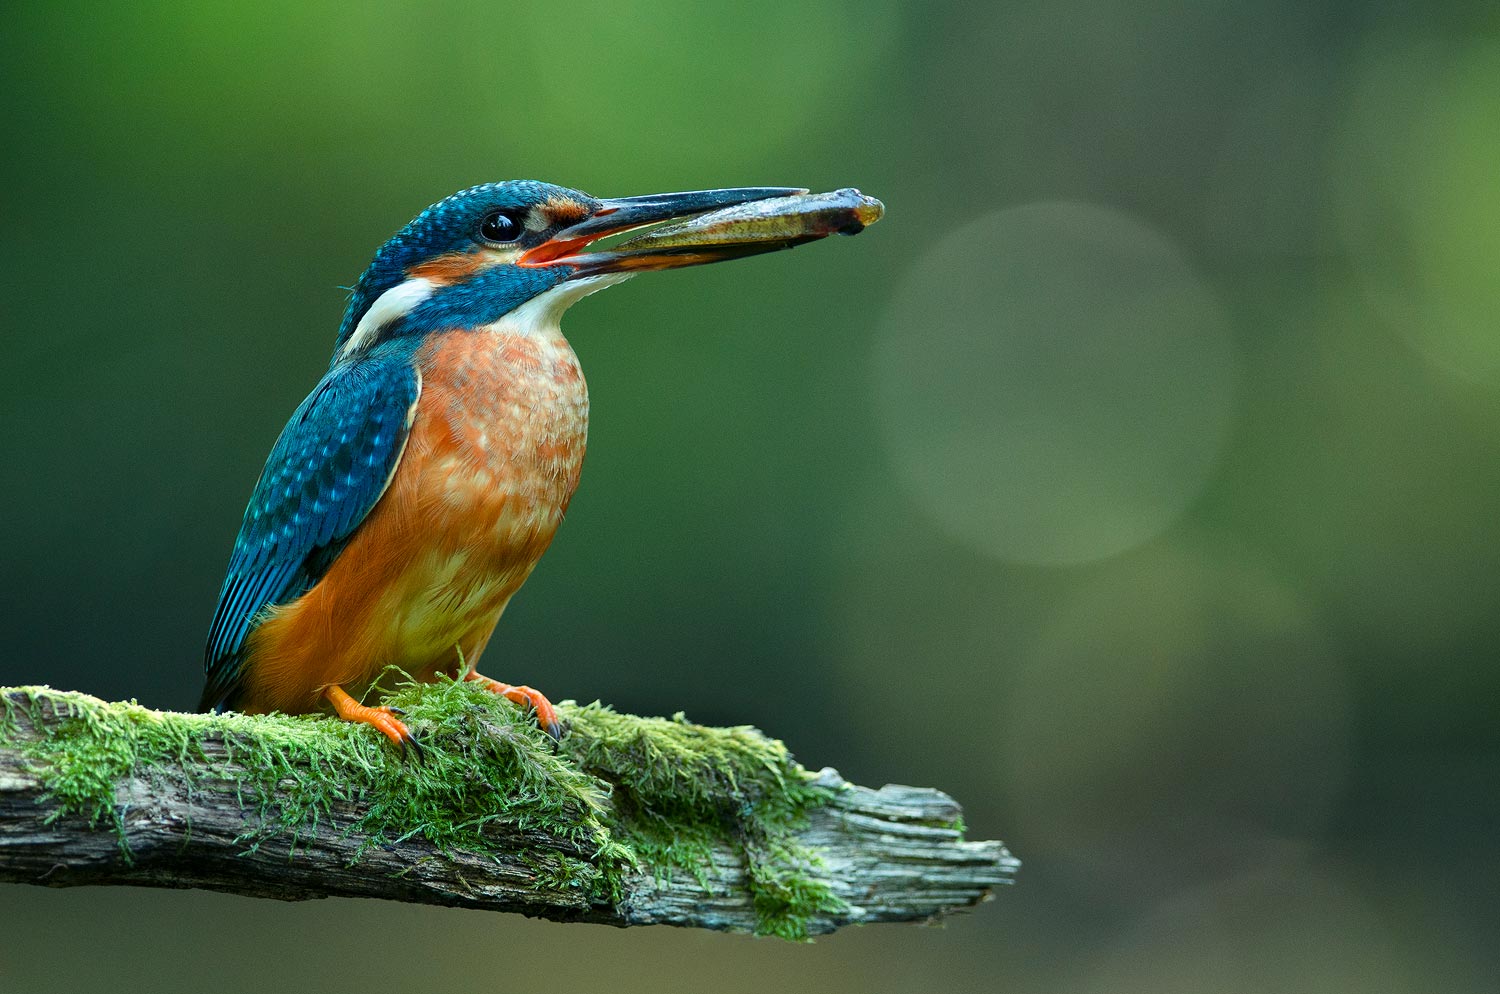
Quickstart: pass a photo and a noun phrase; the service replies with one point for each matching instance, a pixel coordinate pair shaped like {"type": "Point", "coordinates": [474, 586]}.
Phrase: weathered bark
{"type": "Point", "coordinates": [889, 854]}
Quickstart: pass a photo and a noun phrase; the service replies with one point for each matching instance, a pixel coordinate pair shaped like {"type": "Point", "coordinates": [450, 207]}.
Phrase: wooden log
{"type": "Point", "coordinates": [631, 821]}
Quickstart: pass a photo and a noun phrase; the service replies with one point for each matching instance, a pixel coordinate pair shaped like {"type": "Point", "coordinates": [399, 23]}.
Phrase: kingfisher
{"type": "Point", "coordinates": [415, 488]}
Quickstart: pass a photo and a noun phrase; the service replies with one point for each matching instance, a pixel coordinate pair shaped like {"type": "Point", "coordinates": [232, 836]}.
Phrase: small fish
{"type": "Point", "coordinates": [800, 218]}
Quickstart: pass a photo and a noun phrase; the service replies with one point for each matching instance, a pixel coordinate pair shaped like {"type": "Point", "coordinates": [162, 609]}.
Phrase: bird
{"type": "Point", "coordinates": [413, 491]}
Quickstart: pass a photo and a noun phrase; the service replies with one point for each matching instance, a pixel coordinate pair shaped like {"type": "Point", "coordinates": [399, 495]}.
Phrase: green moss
{"type": "Point", "coordinates": [622, 791]}
{"type": "Point", "coordinates": [681, 789]}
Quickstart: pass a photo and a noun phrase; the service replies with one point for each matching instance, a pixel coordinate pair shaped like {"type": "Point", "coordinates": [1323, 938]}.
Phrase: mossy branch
{"type": "Point", "coordinates": [629, 821]}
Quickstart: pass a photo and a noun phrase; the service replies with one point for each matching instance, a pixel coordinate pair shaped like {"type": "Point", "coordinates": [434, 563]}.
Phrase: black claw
{"type": "Point", "coordinates": [398, 712]}
{"type": "Point", "coordinates": [554, 729]}
{"type": "Point", "coordinates": [412, 749]}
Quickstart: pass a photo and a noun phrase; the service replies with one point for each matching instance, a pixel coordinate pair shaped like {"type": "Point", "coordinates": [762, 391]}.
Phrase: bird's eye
{"type": "Point", "coordinates": [498, 226]}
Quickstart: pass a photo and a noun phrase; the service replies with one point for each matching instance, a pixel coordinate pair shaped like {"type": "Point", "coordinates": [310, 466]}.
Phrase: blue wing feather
{"type": "Point", "coordinates": [326, 471]}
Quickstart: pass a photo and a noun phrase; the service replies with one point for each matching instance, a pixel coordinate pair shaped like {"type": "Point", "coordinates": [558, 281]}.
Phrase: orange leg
{"type": "Point", "coordinates": [546, 714]}
{"type": "Point", "coordinates": [385, 719]}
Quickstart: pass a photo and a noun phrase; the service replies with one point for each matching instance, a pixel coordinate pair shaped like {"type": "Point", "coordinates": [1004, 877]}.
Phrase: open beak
{"type": "Point", "coordinates": [688, 244]}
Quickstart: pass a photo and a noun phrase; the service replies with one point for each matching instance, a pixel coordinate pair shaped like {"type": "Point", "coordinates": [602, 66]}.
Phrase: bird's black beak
{"type": "Point", "coordinates": [684, 244]}
{"type": "Point", "coordinates": [628, 213]}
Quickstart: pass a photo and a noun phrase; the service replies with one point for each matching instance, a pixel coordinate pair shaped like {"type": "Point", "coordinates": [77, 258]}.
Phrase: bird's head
{"type": "Point", "coordinates": [486, 251]}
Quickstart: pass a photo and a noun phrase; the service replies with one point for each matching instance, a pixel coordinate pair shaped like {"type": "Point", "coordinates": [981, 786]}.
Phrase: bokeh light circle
{"type": "Point", "coordinates": [1054, 382]}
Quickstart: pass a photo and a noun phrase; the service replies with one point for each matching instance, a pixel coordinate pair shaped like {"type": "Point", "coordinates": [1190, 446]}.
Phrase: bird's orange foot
{"type": "Point", "coordinates": [387, 719]}
{"type": "Point", "coordinates": [546, 714]}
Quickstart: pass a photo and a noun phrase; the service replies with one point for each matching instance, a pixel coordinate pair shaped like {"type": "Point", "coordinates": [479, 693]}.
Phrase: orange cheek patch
{"type": "Point", "coordinates": [565, 210]}
{"type": "Point", "coordinates": [455, 267]}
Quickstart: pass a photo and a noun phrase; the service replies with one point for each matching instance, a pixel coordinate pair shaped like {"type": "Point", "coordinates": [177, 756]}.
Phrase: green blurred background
{"type": "Point", "coordinates": [1135, 480]}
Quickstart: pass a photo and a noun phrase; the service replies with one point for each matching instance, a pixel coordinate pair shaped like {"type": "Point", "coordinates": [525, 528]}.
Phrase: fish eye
{"type": "Point", "coordinates": [499, 226]}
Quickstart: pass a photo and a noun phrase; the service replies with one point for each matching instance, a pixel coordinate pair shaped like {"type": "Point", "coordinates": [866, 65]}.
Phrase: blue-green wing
{"type": "Point", "coordinates": [327, 470]}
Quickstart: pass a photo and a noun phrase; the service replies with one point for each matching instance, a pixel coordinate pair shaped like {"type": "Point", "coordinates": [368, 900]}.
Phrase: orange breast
{"type": "Point", "coordinates": [490, 466]}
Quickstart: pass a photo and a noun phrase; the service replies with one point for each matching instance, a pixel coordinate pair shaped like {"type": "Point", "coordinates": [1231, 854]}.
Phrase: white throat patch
{"type": "Point", "coordinates": [543, 313]}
